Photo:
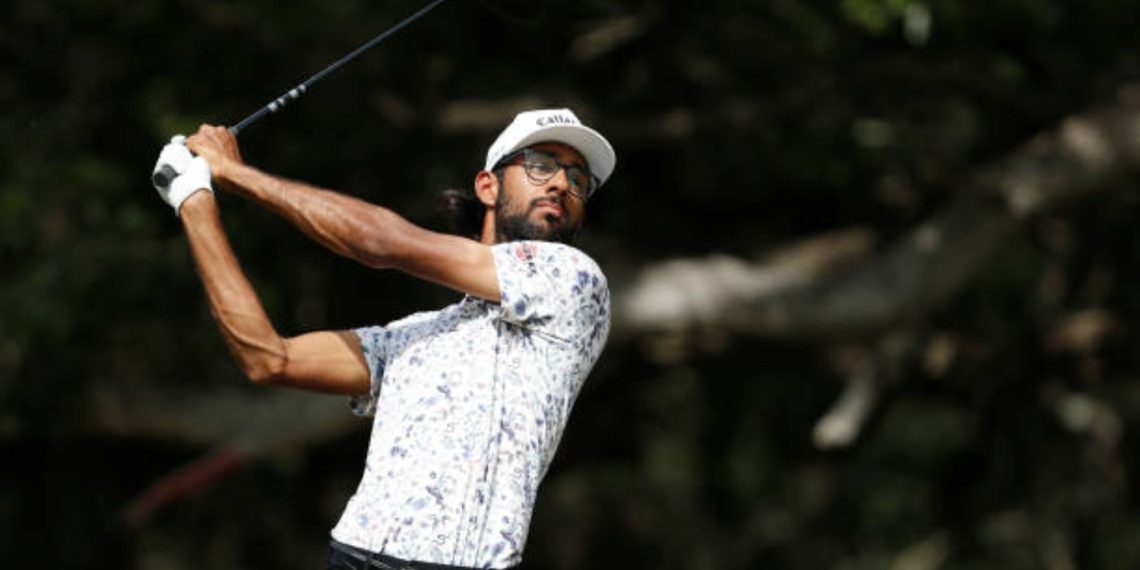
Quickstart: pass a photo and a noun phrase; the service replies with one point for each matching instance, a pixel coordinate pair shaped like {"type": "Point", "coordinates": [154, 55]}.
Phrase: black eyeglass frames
{"type": "Point", "coordinates": [541, 166]}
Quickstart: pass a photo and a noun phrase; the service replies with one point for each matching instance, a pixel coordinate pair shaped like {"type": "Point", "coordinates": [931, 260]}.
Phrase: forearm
{"type": "Point", "coordinates": [259, 350]}
{"type": "Point", "coordinates": [346, 225]}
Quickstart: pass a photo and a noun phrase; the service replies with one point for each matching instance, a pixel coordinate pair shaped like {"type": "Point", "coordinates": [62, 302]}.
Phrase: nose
{"type": "Point", "coordinates": [560, 181]}
{"type": "Point", "coordinates": [566, 189]}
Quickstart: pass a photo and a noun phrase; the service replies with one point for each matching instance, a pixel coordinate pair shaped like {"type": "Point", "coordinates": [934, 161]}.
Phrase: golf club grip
{"type": "Point", "coordinates": [164, 176]}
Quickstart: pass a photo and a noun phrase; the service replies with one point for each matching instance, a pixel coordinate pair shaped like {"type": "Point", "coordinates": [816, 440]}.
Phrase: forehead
{"type": "Point", "coordinates": [563, 152]}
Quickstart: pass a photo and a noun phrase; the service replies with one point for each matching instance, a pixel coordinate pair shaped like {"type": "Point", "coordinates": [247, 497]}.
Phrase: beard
{"type": "Point", "coordinates": [516, 226]}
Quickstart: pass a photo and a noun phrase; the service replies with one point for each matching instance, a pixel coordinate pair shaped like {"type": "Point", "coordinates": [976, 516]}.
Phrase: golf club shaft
{"type": "Point", "coordinates": [167, 174]}
{"type": "Point", "coordinates": [299, 90]}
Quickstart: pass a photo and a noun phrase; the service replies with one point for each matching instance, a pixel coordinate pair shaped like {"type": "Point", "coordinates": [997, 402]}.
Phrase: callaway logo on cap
{"type": "Point", "coordinates": [555, 125]}
{"type": "Point", "coordinates": [557, 119]}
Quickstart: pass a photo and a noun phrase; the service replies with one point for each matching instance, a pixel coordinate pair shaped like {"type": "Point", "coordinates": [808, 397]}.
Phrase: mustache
{"type": "Point", "coordinates": [547, 200]}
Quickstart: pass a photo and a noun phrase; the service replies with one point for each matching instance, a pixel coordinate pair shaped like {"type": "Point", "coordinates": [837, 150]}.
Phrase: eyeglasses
{"type": "Point", "coordinates": [541, 166]}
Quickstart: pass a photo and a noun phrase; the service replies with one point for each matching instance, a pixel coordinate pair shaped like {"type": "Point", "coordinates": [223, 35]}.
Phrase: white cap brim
{"type": "Point", "coordinates": [589, 143]}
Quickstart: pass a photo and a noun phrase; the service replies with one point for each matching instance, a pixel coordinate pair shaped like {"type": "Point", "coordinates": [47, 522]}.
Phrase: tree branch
{"type": "Point", "coordinates": [791, 297]}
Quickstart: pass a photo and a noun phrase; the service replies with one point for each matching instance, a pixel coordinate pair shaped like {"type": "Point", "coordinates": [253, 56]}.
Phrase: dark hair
{"type": "Point", "coordinates": [462, 211]}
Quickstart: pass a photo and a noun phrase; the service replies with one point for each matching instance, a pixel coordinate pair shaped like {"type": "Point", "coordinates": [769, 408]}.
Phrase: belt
{"type": "Point", "coordinates": [378, 561]}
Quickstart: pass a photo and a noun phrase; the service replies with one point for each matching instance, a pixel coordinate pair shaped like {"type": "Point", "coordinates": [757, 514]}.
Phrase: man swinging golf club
{"type": "Point", "coordinates": [470, 401]}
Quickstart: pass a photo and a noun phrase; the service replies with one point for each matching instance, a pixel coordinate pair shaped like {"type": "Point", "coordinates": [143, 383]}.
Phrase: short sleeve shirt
{"type": "Point", "coordinates": [469, 405]}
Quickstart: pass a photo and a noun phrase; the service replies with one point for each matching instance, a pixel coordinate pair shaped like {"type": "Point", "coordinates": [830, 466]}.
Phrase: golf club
{"type": "Point", "coordinates": [167, 174]}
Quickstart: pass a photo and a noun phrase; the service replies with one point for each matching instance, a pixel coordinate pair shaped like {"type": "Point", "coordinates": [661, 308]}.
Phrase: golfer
{"type": "Point", "coordinates": [470, 401]}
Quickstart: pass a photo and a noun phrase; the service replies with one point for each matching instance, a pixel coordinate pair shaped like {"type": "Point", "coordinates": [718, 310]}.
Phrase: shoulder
{"type": "Point", "coordinates": [547, 254]}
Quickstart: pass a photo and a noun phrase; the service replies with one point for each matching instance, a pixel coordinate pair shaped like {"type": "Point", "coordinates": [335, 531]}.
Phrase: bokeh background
{"type": "Point", "coordinates": [874, 266]}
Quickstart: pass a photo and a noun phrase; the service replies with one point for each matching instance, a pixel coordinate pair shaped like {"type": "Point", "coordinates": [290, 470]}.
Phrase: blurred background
{"type": "Point", "coordinates": [874, 266]}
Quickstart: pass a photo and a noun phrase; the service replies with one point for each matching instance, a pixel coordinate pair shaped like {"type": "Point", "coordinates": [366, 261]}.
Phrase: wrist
{"type": "Point", "coordinates": [220, 171]}
{"type": "Point", "coordinates": [197, 204]}
{"type": "Point", "coordinates": [228, 173]}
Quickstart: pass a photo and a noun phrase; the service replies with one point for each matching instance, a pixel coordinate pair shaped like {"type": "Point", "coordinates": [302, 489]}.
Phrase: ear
{"type": "Point", "coordinates": [487, 188]}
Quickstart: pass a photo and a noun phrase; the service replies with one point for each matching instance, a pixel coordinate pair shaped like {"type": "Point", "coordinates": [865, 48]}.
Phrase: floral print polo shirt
{"type": "Point", "coordinates": [469, 404]}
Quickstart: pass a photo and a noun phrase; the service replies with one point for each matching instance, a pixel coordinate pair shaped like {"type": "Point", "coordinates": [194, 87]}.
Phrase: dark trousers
{"type": "Point", "coordinates": [345, 557]}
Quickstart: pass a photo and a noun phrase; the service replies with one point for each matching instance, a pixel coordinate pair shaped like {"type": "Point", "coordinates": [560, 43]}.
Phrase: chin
{"type": "Point", "coordinates": [535, 228]}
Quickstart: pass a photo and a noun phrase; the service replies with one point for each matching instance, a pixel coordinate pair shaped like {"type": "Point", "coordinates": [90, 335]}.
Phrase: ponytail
{"type": "Point", "coordinates": [462, 212]}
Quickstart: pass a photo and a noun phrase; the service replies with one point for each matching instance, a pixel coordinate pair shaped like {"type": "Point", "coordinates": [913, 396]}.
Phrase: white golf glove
{"type": "Point", "coordinates": [172, 161]}
{"type": "Point", "coordinates": [183, 173]}
{"type": "Point", "coordinates": [195, 178]}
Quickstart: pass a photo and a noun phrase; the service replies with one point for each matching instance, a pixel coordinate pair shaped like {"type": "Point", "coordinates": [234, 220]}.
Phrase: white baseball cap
{"type": "Point", "coordinates": [555, 125]}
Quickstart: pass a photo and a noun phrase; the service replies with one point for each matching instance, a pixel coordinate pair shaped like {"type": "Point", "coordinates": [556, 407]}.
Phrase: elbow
{"type": "Point", "coordinates": [261, 378]}
{"type": "Point", "coordinates": [265, 372]}
{"type": "Point", "coordinates": [377, 258]}
{"type": "Point", "coordinates": [378, 252]}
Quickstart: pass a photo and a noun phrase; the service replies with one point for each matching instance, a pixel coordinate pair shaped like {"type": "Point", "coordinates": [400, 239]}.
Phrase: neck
{"type": "Point", "coordinates": [489, 236]}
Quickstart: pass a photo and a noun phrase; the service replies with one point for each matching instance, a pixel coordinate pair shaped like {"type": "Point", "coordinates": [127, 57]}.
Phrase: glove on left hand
{"type": "Point", "coordinates": [196, 177]}
{"type": "Point", "coordinates": [172, 161]}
